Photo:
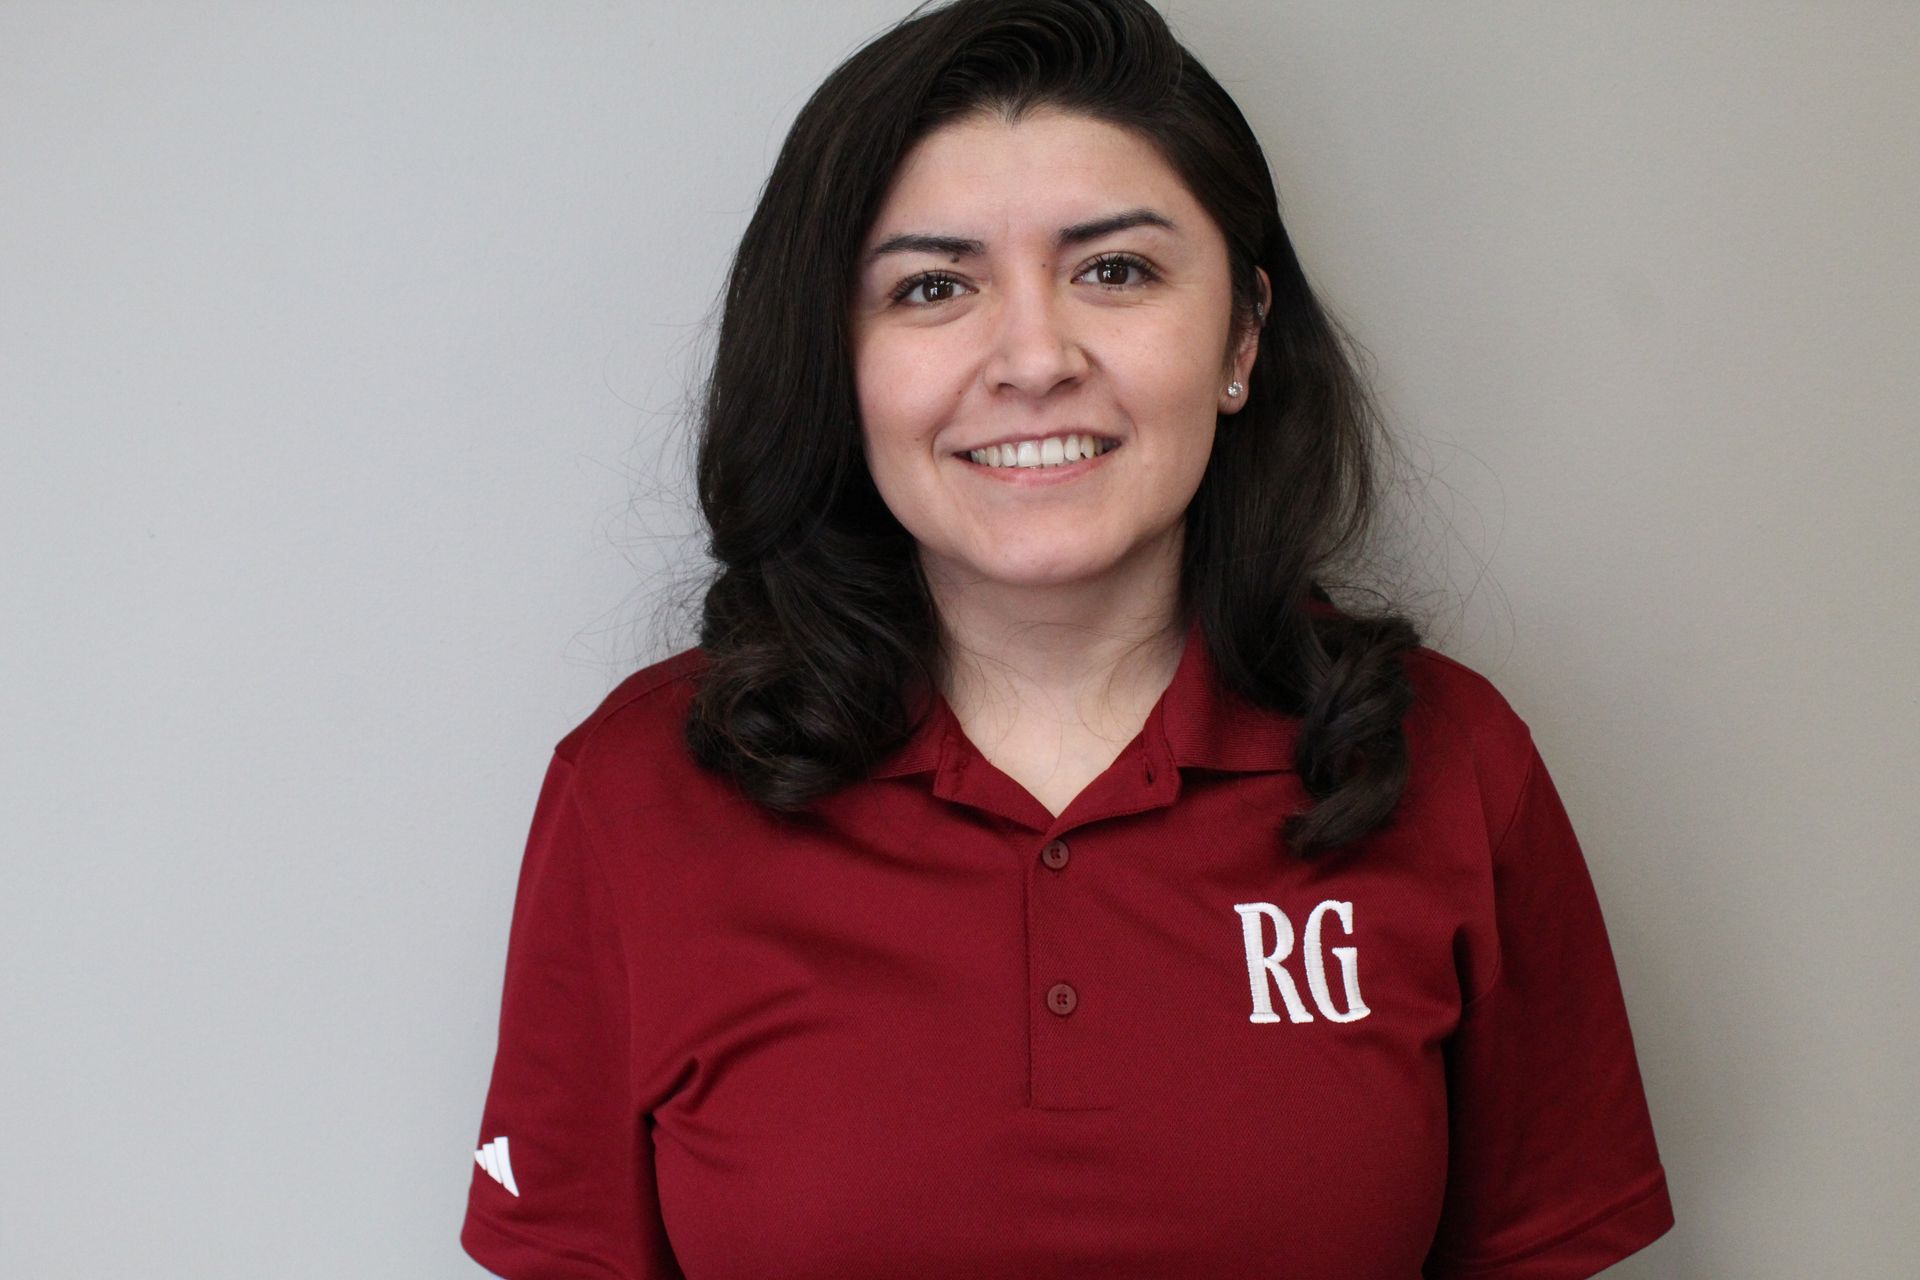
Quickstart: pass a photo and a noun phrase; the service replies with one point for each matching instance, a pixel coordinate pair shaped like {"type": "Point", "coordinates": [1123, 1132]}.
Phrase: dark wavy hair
{"type": "Point", "coordinates": [819, 631]}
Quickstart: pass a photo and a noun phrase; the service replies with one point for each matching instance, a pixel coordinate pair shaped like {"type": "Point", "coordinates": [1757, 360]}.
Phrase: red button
{"type": "Point", "coordinates": [1061, 998]}
{"type": "Point", "coordinates": [1055, 854]}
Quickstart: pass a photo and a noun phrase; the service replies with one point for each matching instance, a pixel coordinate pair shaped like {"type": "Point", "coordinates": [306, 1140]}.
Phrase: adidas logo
{"type": "Point", "coordinates": [493, 1158]}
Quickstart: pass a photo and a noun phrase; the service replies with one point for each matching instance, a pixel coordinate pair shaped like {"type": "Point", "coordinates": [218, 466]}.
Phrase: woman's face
{"type": "Point", "coordinates": [1024, 287]}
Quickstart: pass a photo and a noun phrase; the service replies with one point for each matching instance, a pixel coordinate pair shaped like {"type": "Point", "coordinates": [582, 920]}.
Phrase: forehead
{"type": "Point", "coordinates": [1045, 170]}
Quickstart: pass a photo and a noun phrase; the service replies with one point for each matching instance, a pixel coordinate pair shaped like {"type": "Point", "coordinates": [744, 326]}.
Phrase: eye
{"type": "Point", "coordinates": [1110, 271]}
{"type": "Point", "coordinates": [938, 286]}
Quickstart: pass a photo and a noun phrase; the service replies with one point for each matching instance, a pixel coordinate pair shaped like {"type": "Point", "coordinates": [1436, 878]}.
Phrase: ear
{"type": "Point", "coordinates": [1249, 348]}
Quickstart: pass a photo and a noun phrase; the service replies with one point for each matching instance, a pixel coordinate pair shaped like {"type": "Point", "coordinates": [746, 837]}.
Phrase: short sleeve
{"type": "Point", "coordinates": [562, 1174]}
{"type": "Point", "coordinates": [1553, 1172]}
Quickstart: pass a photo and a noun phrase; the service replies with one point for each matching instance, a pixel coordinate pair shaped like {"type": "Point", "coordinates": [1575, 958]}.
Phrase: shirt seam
{"type": "Point", "coordinates": [592, 843]}
{"type": "Point", "coordinates": [1520, 797]}
{"type": "Point", "coordinates": [666, 673]}
{"type": "Point", "coordinates": [1614, 1210]}
{"type": "Point", "coordinates": [1499, 846]}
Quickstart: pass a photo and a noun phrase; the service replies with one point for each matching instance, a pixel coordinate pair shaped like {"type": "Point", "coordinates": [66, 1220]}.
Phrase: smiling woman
{"type": "Point", "coordinates": [1021, 224]}
{"type": "Point", "coordinates": [1083, 307]}
{"type": "Point", "coordinates": [1033, 873]}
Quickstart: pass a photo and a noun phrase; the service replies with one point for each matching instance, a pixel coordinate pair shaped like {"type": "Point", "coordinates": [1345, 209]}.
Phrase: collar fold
{"type": "Point", "coordinates": [1198, 723]}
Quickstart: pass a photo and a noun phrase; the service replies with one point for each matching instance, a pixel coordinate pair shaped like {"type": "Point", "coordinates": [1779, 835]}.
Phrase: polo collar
{"type": "Point", "coordinates": [1198, 723]}
{"type": "Point", "coordinates": [1206, 725]}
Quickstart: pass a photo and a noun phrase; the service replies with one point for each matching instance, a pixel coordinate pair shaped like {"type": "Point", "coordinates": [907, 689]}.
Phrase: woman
{"type": "Point", "coordinates": [1032, 873]}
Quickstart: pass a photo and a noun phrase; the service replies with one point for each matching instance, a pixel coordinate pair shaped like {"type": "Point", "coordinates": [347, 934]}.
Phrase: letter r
{"type": "Point", "coordinates": [1260, 963]}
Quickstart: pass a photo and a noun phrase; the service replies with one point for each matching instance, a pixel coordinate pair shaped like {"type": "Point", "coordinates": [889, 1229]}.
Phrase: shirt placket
{"type": "Point", "coordinates": [1071, 1000]}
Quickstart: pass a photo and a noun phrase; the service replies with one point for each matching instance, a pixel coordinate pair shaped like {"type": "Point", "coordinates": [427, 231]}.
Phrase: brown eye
{"type": "Point", "coordinates": [932, 287]}
{"type": "Point", "coordinates": [1120, 271]}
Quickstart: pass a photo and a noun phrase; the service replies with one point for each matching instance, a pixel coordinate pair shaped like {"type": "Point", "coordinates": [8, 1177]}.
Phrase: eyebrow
{"type": "Point", "coordinates": [1078, 233]}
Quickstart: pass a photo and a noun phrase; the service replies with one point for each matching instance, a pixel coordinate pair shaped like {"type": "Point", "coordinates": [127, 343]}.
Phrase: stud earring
{"type": "Point", "coordinates": [1234, 389]}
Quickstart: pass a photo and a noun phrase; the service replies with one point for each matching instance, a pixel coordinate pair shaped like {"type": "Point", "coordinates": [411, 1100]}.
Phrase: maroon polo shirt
{"type": "Point", "coordinates": [935, 1031]}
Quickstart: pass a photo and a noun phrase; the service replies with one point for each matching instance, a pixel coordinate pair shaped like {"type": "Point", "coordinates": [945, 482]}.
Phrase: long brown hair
{"type": "Point", "coordinates": [818, 628]}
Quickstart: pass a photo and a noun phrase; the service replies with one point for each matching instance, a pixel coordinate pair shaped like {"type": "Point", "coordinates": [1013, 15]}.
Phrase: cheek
{"type": "Point", "coordinates": [900, 398]}
{"type": "Point", "coordinates": [896, 419]}
{"type": "Point", "coordinates": [907, 404]}
{"type": "Point", "coordinates": [1167, 385]}
{"type": "Point", "coordinates": [1171, 362]}
{"type": "Point", "coordinates": [1172, 393]}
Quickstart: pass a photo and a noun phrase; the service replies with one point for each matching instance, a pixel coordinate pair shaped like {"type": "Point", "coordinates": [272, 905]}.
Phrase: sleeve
{"type": "Point", "coordinates": [562, 1178]}
{"type": "Point", "coordinates": [1552, 1171]}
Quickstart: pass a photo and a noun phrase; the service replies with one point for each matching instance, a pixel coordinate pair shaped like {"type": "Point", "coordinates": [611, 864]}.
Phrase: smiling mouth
{"type": "Point", "coordinates": [1042, 453]}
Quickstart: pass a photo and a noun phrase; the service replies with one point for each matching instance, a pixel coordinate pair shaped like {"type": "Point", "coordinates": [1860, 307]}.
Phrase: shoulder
{"type": "Point", "coordinates": [1451, 699]}
{"type": "Point", "coordinates": [1458, 699]}
{"type": "Point", "coordinates": [1460, 717]}
{"type": "Point", "coordinates": [641, 716]}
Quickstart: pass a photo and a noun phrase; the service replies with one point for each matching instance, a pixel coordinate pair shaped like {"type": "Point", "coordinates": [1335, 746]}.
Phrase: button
{"type": "Point", "coordinates": [1055, 854]}
{"type": "Point", "coordinates": [1061, 998]}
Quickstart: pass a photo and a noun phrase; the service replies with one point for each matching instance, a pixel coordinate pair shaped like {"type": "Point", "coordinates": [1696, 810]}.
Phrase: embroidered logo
{"type": "Point", "coordinates": [1263, 964]}
{"type": "Point", "coordinates": [493, 1158]}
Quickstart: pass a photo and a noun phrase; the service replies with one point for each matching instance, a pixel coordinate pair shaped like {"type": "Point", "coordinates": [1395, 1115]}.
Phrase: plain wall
{"type": "Point", "coordinates": [342, 354]}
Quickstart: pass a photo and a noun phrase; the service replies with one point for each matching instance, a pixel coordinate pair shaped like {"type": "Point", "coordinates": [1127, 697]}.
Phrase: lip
{"type": "Point", "coordinates": [1029, 476]}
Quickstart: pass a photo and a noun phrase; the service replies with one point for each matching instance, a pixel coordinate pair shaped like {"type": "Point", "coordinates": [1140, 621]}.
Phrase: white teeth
{"type": "Point", "coordinates": [1053, 451]}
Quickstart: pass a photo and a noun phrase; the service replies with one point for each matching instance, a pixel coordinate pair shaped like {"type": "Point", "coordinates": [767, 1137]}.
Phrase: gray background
{"type": "Point", "coordinates": [344, 348]}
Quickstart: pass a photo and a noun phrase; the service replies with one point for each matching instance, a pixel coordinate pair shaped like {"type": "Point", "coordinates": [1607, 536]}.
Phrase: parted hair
{"type": "Point", "coordinates": [818, 628]}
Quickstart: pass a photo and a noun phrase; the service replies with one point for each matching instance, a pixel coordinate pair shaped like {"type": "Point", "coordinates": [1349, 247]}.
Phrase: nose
{"type": "Point", "coordinates": [1033, 347]}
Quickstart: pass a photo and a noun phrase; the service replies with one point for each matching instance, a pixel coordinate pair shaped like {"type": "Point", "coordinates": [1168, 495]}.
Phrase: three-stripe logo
{"type": "Point", "coordinates": [493, 1158]}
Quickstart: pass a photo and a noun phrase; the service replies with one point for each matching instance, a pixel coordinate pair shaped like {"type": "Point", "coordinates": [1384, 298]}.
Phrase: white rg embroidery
{"type": "Point", "coordinates": [1261, 963]}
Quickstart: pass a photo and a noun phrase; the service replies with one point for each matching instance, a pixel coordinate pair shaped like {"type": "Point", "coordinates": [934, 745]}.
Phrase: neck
{"type": "Point", "coordinates": [1095, 652]}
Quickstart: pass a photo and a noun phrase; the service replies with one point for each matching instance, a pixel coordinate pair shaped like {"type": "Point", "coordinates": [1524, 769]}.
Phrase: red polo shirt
{"type": "Point", "coordinates": [935, 1031]}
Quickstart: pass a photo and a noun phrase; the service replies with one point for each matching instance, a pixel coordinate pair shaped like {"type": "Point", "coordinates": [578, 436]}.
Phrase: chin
{"type": "Point", "coordinates": [1047, 571]}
